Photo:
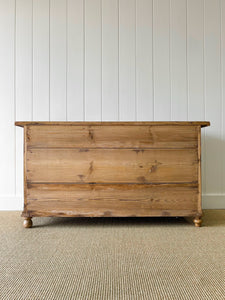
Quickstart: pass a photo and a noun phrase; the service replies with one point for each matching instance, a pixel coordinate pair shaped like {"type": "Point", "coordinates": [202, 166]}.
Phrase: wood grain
{"type": "Point", "coordinates": [199, 171]}
{"type": "Point", "coordinates": [112, 165]}
{"type": "Point", "coordinates": [112, 136]}
{"type": "Point", "coordinates": [112, 169]}
{"type": "Point", "coordinates": [90, 123]}
{"type": "Point", "coordinates": [109, 200]}
{"type": "Point", "coordinates": [85, 212]}
{"type": "Point", "coordinates": [25, 168]}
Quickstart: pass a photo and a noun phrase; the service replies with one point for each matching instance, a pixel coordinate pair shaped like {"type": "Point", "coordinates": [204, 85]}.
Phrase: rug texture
{"type": "Point", "coordinates": [112, 258]}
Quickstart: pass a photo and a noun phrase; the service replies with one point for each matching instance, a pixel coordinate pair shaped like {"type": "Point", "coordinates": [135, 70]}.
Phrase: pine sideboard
{"type": "Point", "coordinates": [112, 169]}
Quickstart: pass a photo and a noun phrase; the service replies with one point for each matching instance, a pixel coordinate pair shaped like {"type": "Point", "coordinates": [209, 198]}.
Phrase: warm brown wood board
{"type": "Point", "coordinates": [119, 136]}
{"type": "Point", "coordinates": [112, 165]}
{"type": "Point", "coordinates": [112, 169]}
{"type": "Point", "coordinates": [160, 123]}
{"type": "Point", "coordinates": [111, 199]}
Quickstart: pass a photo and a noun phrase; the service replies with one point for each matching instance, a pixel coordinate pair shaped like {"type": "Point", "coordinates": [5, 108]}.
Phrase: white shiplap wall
{"type": "Point", "coordinates": [112, 60]}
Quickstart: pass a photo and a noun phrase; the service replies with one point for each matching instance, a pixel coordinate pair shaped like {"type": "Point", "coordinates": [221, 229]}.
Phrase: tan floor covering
{"type": "Point", "coordinates": [112, 258]}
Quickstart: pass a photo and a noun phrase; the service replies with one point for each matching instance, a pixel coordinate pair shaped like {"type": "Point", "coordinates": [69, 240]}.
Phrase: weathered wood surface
{"type": "Point", "coordinates": [80, 123]}
{"type": "Point", "coordinates": [111, 198]}
{"type": "Point", "coordinates": [99, 212]}
{"type": "Point", "coordinates": [107, 169]}
{"type": "Point", "coordinates": [199, 171]}
{"type": "Point", "coordinates": [112, 165]}
{"type": "Point", "coordinates": [112, 136]}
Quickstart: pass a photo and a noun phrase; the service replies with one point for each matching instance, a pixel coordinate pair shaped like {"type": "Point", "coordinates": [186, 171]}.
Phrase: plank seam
{"type": "Point", "coordinates": [189, 183]}
{"type": "Point", "coordinates": [114, 148]}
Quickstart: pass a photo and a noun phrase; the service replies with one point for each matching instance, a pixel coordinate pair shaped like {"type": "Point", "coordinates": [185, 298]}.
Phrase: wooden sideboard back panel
{"type": "Point", "coordinates": [117, 169]}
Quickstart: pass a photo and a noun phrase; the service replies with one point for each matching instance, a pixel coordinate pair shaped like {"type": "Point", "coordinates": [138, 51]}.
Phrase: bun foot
{"type": "Point", "coordinates": [27, 223]}
{"type": "Point", "coordinates": [197, 221]}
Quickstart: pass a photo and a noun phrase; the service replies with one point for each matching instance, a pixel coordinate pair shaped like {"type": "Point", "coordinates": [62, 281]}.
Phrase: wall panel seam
{"type": "Point", "coordinates": [187, 66]}
{"type": "Point", "coordinates": [135, 61]}
{"type": "Point", "coordinates": [32, 60]}
{"type": "Point", "coordinates": [84, 53]}
{"type": "Point", "coordinates": [101, 59]}
{"type": "Point", "coordinates": [153, 81]}
{"type": "Point", "coordinates": [170, 60]}
{"type": "Point", "coordinates": [118, 2]}
{"type": "Point", "coordinates": [204, 92]}
{"type": "Point", "coordinates": [221, 94]}
{"type": "Point", "coordinates": [15, 146]}
{"type": "Point", "coordinates": [66, 75]}
{"type": "Point", "coordinates": [49, 64]}
{"type": "Point", "coordinates": [195, 56]}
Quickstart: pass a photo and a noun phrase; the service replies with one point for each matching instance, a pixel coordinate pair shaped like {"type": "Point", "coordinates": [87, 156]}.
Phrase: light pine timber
{"type": "Point", "coordinates": [111, 200]}
{"type": "Point", "coordinates": [112, 165]}
{"type": "Point", "coordinates": [112, 169]}
{"type": "Point", "coordinates": [90, 123]}
{"type": "Point", "coordinates": [119, 136]}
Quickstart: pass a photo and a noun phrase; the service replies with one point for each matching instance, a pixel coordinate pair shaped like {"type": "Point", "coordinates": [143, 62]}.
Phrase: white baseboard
{"type": "Point", "coordinates": [212, 201]}
{"type": "Point", "coordinates": [10, 202]}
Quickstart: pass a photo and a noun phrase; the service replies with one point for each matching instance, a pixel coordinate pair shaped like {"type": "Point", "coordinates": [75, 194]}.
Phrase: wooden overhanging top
{"type": "Point", "coordinates": [171, 123]}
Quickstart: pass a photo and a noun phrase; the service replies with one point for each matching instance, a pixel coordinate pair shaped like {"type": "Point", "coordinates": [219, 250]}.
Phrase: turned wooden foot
{"type": "Point", "coordinates": [27, 223]}
{"type": "Point", "coordinates": [197, 221]}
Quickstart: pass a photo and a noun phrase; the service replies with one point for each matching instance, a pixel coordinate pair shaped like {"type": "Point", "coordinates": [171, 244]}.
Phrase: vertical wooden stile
{"type": "Point", "coordinates": [25, 171]}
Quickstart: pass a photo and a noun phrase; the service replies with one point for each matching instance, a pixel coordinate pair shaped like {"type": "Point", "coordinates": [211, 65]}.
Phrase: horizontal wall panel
{"type": "Point", "coordinates": [112, 136]}
{"type": "Point", "coordinates": [104, 165]}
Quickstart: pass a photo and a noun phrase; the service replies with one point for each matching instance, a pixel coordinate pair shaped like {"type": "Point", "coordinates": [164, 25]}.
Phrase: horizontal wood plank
{"type": "Point", "coordinates": [112, 165]}
{"type": "Point", "coordinates": [160, 123]}
{"type": "Point", "coordinates": [121, 213]}
{"type": "Point", "coordinates": [112, 136]}
{"type": "Point", "coordinates": [111, 200]}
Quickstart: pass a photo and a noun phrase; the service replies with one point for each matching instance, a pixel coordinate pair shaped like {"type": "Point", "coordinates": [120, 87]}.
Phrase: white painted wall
{"type": "Point", "coordinates": [112, 60]}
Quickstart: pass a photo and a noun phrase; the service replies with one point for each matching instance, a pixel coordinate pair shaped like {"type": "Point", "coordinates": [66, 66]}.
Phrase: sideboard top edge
{"type": "Point", "coordinates": [81, 123]}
